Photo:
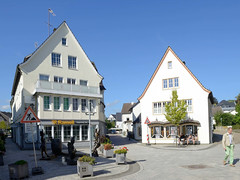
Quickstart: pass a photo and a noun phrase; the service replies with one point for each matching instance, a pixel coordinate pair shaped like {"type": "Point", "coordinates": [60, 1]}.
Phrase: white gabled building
{"type": "Point", "coordinates": [172, 74]}
{"type": "Point", "coordinates": [58, 80]}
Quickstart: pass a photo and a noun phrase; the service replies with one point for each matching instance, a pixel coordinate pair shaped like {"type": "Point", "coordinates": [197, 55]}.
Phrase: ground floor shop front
{"type": "Point", "coordinates": [57, 129]}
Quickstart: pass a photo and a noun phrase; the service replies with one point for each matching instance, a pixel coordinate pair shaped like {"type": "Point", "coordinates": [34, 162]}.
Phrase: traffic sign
{"type": "Point", "coordinates": [29, 116]}
{"type": "Point", "coordinates": [147, 121]}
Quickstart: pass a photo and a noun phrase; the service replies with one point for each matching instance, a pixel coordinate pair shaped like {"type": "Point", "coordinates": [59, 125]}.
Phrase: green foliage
{"type": "Point", "coordinates": [3, 125]}
{"type": "Point", "coordinates": [20, 162]}
{"type": "Point", "coordinates": [217, 117]}
{"type": "Point", "coordinates": [237, 126]}
{"type": "Point", "coordinates": [105, 140]}
{"type": "Point", "coordinates": [176, 110]}
{"type": "Point", "coordinates": [123, 150]}
{"type": "Point", "coordinates": [236, 119]}
{"type": "Point", "coordinates": [90, 160]}
{"type": "Point", "coordinates": [110, 124]}
{"type": "Point", "coordinates": [237, 108]}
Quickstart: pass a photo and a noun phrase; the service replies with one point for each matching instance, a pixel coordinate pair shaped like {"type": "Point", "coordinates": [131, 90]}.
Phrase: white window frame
{"type": "Point", "coordinates": [83, 108]}
{"type": "Point", "coordinates": [73, 104]}
{"type": "Point", "coordinates": [65, 41]}
{"type": "Point", "coordinates": [58, 79]}
{"type": "Point", "coordinates": [83, 82]}
{"type": "Point", "coordinates": [64, 104]}
{"type": "Point", "coordinates": [71, 80]}
{"type": "Point", "coordinates": [59, 103]}
{"type": "Point", "coordinates": [42, 76]}
{"type": "Point", "coordinates": [73, 65]}
{"type": "Point", "coordinates": [169, 64]}
{"type": "Point", "coordinates": [45, 109]}
{"type": "Point", "coordinates": [56, 64]}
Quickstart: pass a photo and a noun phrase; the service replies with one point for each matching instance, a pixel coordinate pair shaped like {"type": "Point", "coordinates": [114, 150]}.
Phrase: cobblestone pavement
{"type": "Point", "coordinates": [146, 162]}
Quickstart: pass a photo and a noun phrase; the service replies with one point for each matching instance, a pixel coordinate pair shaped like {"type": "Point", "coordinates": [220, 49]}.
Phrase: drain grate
{"type": "Point", "coordinates": [196, 166]}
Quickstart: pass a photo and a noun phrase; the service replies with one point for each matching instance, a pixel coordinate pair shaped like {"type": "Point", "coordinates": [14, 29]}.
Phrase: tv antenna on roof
{"type": "Point", "coordinates": [49, 11]}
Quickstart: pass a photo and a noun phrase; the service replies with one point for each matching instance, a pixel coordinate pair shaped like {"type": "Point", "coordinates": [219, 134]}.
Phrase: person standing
{"type": "Point", "coordinates": [228, 145]}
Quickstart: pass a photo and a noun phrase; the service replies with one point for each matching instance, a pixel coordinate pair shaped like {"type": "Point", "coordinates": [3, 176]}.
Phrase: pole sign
{"type": "Point", "coordinates": [29, 116]}
{"type": "Point", "coordinates": [147, 121]}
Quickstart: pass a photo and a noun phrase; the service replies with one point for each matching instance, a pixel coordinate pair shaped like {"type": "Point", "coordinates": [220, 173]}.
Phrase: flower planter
{"type": "Point", "coordinates": [84, 169]}
{"type": "Point", "coordinates": [121, 158]}
{"type": "Point", "coordinates": [17, 171]}
{"type": "Point", "coordinates": [108, 153]}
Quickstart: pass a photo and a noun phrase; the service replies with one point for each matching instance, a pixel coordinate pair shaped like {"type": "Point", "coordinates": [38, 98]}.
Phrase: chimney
{"type": "Point", "coordinates": [184, 62]}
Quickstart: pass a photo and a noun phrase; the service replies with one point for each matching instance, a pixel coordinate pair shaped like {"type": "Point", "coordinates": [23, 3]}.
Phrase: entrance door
{"type": "Point", "coordinates": [189, 129]}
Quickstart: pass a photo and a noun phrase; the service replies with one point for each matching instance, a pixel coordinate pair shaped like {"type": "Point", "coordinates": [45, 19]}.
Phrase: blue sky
{"type": "Point", "coordinates": [127, 39]}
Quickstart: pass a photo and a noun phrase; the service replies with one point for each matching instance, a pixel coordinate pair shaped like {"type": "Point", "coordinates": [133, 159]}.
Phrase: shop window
{"type": "Point", "coordinates": [57, 132]}
{"type": "Point", "coordinates": [48, 132]}
{"type": "Point", "coordinates": [84, 132]}
{"type": "Point", "coordinates": [76, 130]}
{"type": "Point", "coordinates": [67, 133]}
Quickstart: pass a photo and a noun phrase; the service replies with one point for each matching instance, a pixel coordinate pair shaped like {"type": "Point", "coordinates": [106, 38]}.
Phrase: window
{"type": "Point", "coordinates": [163, 109]}
{"type": "Point", "coordinates": [58, 79]}
{"type": "Point", "coordinates": [66, 104]}
{"type": "Point", "coordinates": [169, 64]}
{"type": "Point", "coordinates": [56, 59]}
{"type": "Point", "coordinates": [64, 41]}
{"type": "Point", "coordinates": [176, 82]}
{"type": "Point", "coordinates": [92, 105]}
{"type": "Point", "coordinates": [84, 104]}
{"type": "Point", "coordinates": [57, 132]}
{"type": "Point", "coordinates": [43, 77]}
{"type": "Point", "coordinates": [48, 132]}
{"type": "Point", "coordinates": [56, 103]}
{"type": "Point", "coordinates": [189, 105]}
{"type": "Point", "coordinates": [83, 83]}
{"type": "Point", "coordinates": [71, 81]}
{"type": "Point", "coordinates": [170, 83]}
{"type": "Point", "coordinates": [76, 130]}
{"type": "Point", "coordinates": [46, 102]}
{"type": "Point", "coordinates": [165, 83]}
{"type": "Point", "coordinates": [159, 131]}
{"type": "Point", "coordinates": [84, 132]}
{"type": "Point", "coordinates": [72, 62]}
{"type": "Point", "coordinates": [67, 132]}
{"type": "Point", "coordinates": [75, 104]}
{"type": "Point", "coordinates": [157, 108]}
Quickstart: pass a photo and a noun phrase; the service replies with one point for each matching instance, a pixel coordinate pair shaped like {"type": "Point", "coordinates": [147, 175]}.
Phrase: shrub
{"type": "Point", "coordinates": [20, 162]}
{"type": "Point", "coordinates": [108, 146]}
{"type": "Point", "coordinates": [121, 151]}
{"type": "Point", "coordinates": [89, 159]}
{"type": "Point", "coordinates": [105, 140]}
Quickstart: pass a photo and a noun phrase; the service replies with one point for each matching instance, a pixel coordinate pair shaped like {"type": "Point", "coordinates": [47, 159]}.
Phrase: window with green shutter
{"type": "Point", "coordinates": [66, 104]}
{"type": "Point", "coordinates": [56, 103]}
{"type": "Point", "coordinates": [46, 102]}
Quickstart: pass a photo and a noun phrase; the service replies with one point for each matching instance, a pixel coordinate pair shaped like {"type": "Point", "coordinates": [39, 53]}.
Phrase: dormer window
{"type": "Point", "coordinates": [64, 41]}
{"type": "Point", "coordinates": [169, 64]}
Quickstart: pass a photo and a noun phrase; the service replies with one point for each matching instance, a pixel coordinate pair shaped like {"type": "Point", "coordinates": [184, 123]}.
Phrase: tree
{"type": "Point", "coordinates": [176, 110]}
{"type": "Point", "coordinates": [110, 124]}
{"type": "Point", "coordinates": [237, 108]}
{"type": "Point", "coordinates": [3, 125]}
{"type": "Point", "coordinates": [215, 101]}
{"type": "Point", "coordinates": [217, 117]}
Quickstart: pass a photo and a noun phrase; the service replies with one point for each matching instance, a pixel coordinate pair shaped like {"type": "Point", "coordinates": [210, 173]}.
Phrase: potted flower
{"type": "Point", "coordinates": [121, 155]}
{"type": "Point", "coordinates": [18, 170]}
{"type": "Point", "coordinates": [2, 151]}
{"type": "Point", "coordinates": [85, 166]}
{"type": "Point", "coordinates": [108, 150]}
{"type": "Point", "coordinates": [104, 140]}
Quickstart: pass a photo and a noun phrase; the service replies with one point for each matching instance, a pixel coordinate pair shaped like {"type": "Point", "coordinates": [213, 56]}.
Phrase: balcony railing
{"type": "Point", "coordinates": [49, 86]}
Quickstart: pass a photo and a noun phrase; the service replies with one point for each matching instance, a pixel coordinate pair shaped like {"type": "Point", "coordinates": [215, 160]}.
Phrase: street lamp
{"type": "Point", "coordinates": [221, 122]}
{"type": "Point", "coordinates": [89, 113]}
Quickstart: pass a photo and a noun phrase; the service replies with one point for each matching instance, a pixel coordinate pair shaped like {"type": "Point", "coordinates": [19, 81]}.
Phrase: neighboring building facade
{"type": "Point", "coordinates": [127, 118]}
{"type": "Point", "coordinates": [137, 126]}
{"type": "Point", "coordinates": [172, 74]}
{"type": "Point", "coordinates": [118, 120]}
{"type": "Point", "coordinates": [228, 107]}
{"type": "Point", "coordinates": [5, 117]}
{"type": "Point", "coordinates": [112, 117]}
{"type": "Point", "coordinates": [58, 80]}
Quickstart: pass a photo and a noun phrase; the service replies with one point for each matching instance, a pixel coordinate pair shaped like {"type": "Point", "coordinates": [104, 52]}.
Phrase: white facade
{"type": "Point", "coordinates": [127, 123]}
{"type": "Point", "coordinates": [50, 80]}
{"type": "Point", "coordinates": [188, 88]}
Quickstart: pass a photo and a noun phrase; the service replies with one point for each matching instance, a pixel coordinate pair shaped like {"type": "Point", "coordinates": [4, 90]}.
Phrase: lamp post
{"type": "Point", "coordinates": [221, 123]}
{"type": "Point", "coordinates": [90, 128]}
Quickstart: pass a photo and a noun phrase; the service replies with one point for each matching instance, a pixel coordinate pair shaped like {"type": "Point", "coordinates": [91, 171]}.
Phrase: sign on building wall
{"type": "Point", "coordinates": [60, 122]}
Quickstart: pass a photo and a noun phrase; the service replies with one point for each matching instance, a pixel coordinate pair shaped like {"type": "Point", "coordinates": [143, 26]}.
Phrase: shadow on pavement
{"type": "Point", "coordinates": [235, 161]}
{"type": "Point", "coordinates": [118, 140]}
{"type": "Point", "coordinates": [217, 137]}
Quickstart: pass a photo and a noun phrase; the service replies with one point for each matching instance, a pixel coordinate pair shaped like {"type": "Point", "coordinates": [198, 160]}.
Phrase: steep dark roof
{"type": "Point", "coordinates": [126, 109]}
{"type": "Point", "coordinates": [225, 103]}
{"type": "Point", "coordinates": [118, 116]}
{"type": "Point", "coordinates": [6, 115]}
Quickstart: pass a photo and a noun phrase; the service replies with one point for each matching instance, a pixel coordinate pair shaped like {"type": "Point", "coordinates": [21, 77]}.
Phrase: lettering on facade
{"type": "Point", "coordinates": [60, 122]}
